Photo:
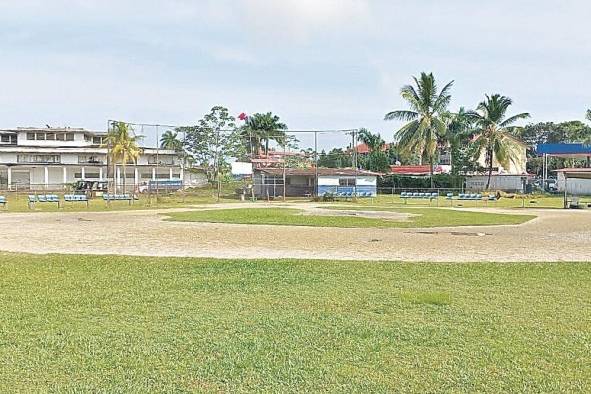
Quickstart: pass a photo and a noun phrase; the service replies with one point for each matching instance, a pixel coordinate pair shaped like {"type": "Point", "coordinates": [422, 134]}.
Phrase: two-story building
{"type": "Point", "coordinates": [51, 158]}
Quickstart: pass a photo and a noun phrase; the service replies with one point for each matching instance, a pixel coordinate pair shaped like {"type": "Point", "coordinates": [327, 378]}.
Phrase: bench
{"type": "Point", "coordinates": [419, 196]}
{"type": "Point", "coordinates": [43, 198]}
{"type": "Point", "coordinates": [3, 201]}
{"type": "Point", "coordinates": [76, 198]}
{"type": "Point", "coordinates": [108, 197]}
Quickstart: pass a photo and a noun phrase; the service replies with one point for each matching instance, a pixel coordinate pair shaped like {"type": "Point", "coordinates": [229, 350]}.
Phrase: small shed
{"type": "Point", "coordinates": [307, 182]}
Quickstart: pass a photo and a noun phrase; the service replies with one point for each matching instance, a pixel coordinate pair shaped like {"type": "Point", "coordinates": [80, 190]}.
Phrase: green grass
{"type": "Point", "coordinates": [126, 324]}
{"type": "Point", "coordinates": [426, 217]}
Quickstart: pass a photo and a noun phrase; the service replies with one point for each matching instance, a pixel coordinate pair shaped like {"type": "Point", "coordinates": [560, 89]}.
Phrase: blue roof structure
{"type": "Point", "coordinates": [563, 150]}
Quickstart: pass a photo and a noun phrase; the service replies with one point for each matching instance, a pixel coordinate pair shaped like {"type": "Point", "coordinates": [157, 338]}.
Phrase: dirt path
{"type": "Point", "coordinates": [556, 235]}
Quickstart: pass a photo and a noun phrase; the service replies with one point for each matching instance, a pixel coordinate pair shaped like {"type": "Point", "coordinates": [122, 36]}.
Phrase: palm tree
{"type": "Point", "coordinates": [458, 131]}
{"type": "Point", "coordinates": [261, 128]}
{"type": "Point", "coordinates": [374, 142]}
{"type": "Point", "coordinates": [493, 131]}
{"type": "Point", "coordinates": [123, 147]}
{"type": "Point", "coordinates": [425, 126]}
{"type": "Point", "coordinates": [169, 140]}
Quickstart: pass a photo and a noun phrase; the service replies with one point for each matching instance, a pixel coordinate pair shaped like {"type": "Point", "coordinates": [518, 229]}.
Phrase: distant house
{"type": "Point", "coordinates": [516, 167]}
{"type": "Point", "coordinates": [513, 178]}
{"type": "Point", "coordinates": [363, 149]}
{"type": "Point", "coordinates": [301, 182]}
{"type": "Point", "coordinates": [418, 170]}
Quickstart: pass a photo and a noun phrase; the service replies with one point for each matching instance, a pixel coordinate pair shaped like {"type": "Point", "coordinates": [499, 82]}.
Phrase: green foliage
{"type": "Point", "coordinates": [260, 129]}
{"type": "Point", "coordinates": [214, 140]}
{"type": "Point", "coordinates": [170, 140]}
{"type": "Point", "coordinates": [441, 181]}
{"type": "Point", "coordinates": [335, 158]}
{"type": "Point", "coordinates": [494, 131]}
{"type": "Point", "coordinates": [123, 147]}
{"type": "Point", "coordinates": [425, 124]}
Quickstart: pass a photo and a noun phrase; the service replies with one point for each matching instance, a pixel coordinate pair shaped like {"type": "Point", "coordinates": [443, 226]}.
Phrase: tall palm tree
{"type": "Point", "coordinates": [123, 147]}
{"type": "Point", "coordinates": [262, 128]}
{"type": "Point", "coordinates": [425, 126]}
{"type": "Point", "coordinates": [493, 134]}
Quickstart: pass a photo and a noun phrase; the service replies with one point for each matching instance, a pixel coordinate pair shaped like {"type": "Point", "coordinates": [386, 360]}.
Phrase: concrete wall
{"type": "Point", "coordinates": [577, 187]}
{"type": "Point", "coordinates": [508, 183]}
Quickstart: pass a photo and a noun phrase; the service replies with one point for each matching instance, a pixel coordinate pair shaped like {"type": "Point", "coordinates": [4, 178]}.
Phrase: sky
{"type": "Point", "coordinates": [318, 64]}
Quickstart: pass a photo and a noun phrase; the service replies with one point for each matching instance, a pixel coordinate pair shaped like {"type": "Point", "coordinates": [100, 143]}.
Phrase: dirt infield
{"type": "Point", "coordinates": [556, 235]}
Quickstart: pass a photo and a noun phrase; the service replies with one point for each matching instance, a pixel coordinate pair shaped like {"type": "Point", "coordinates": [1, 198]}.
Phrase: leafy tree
{"type": "Point", "coordinates": [260, 129]}
{"type": "Point", "coordinates": [376, 159]}
{"type": "Point", "coordinates": [213, 141]}
{"type": "Point", "coordinates": [458, 141]}
{"type": "Point", "coordinates": [493, 131]}
{"type": "Point", "coordinates": [170, 140]}
{"type": "Point", "coordinates": [123, 148]}
{"type": "Point", "coordinates": [335, 158]}
{"type": "Point", "coordinates": [425, 126]}
{"type": "Point", "coordinates": [554, 133]}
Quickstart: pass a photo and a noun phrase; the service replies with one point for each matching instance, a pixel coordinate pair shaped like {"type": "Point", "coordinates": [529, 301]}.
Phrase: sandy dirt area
{"type": "Point", "coordinates": [555, 235]}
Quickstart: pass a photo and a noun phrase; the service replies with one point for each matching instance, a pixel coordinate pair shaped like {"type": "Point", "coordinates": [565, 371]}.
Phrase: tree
{"type": "Point", "coordinates": [587, 140]}
{"type": "Point", "coordinates": [169, 140]}
{"type": "Point", "coordinates": [376, 159]}
{"type": "Point", "coordinates": [493, 131]}
{"type": "Point", "coordinates": [213, 141]}
{"type": "Point", "coordinates": [457, 140]}
{"type": "Point", "coordinates": [123, 147]}
{"type": "Point", "coordinates": [425, 126]}
{"type": "Point", "coordinates": [260, 129]}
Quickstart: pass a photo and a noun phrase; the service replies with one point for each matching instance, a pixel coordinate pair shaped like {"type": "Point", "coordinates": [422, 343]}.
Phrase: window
{"type": "Point", "coordinates": [97, 140]}
{"type": "Point", "coordinates": [87, 138]}
{"type": "Point", "coordinates": [161, 159]}
{"type": "Point", "coordinates": [30, 136]}
{"type": "Point", "coordinates": [49, 159]}
{"type": "Point", "coordinates": [89, 159]}
{"type": "Point", "coordinates": [40, 136]}
{"type": "Point", "coordinates": [273, 180]}
{"type": "Point", "coordinates": [50, 136]}
{"type": "Point", "coordinates": [8, 139]}
{"type": "Point", "coordinates": [69, 136]}
{"type": "Point", "coordinates": [60, 137]}
{"type": "Point", "coordinates": [346, 181]}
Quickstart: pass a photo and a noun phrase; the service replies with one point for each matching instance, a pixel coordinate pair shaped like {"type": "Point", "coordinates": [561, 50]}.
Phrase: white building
{"type": "Point", "coordinates": [50, 158]}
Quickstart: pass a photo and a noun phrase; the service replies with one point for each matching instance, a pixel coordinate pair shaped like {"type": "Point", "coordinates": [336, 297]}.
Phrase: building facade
{"type": "Point", "coordinates": [306, 182]}
{"type": "Point", "coordinates": [52, 158]}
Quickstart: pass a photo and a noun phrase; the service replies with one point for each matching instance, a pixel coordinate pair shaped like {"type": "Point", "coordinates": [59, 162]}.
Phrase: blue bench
{"type": "Point", "coordinates": [76, 198]}
{"type": "Point", "coordinates": [3, 201]}
{"type": "Point", "coordinates": [469, 197]}
{"type": "Point", "coordinates": [43, 198]}
{"type": "Point", "coordinates": [108, 197]}
{"type": "Point", "coordinates": [420, 196]}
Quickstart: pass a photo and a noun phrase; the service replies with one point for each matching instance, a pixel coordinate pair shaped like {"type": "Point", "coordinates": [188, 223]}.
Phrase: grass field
{"type": "Point", "coordinates": [123, 324]}
{"type": "Point", "coordinates": [426, 217]}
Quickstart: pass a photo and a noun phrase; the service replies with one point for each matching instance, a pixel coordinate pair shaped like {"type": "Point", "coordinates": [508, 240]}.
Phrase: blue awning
{"type": "Point", "coordinates": [563, 149]}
